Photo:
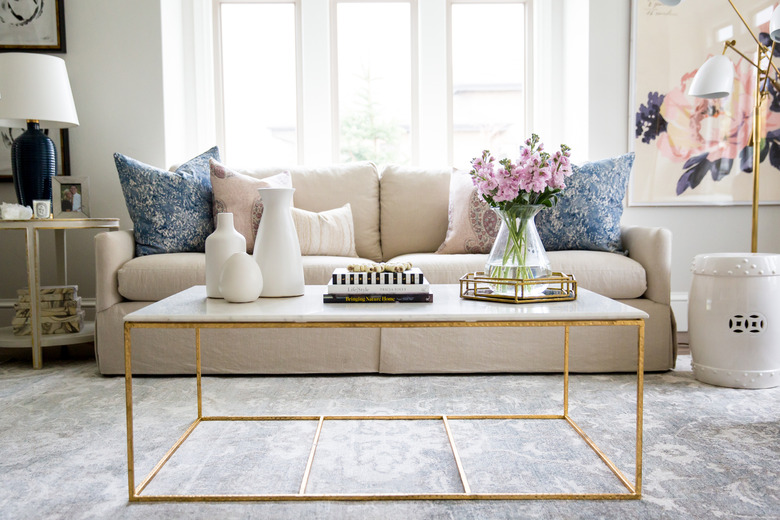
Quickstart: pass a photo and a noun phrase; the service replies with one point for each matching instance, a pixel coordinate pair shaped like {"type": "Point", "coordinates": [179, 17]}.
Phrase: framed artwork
{"type": "Point", "coordinates": [61, 144]}
{"type": "Point", "coordinates": [70, 197]}
{"type": "Point", "coordinates": [32, 26]}
{"type": "Point", "coordinates": [692, 151]}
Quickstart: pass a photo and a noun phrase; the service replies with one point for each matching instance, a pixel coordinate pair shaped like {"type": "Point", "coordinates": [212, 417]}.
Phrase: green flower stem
{"type": "Point", "coordinates": [516, 220]}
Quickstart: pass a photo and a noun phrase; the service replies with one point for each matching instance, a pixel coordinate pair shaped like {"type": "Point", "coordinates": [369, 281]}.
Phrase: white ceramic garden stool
{"type": "Point", "coordinates": [734, 319]}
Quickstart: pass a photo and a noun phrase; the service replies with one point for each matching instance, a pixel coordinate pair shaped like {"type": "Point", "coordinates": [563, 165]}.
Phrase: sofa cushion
{"type": "Point", "coordinates": [237, 193]}
{"type": "Point", "coordinates": [171, 211]}
{"type": "Point", "coordinates": [329, 232]}
{"type": "Point", "coordinates": [588, 212]}
{"type": "Point", "coordinates": [154, 277]}
{"type": "Point", "coordinates": [413, 205]}
{"type": "Point", "coordinates": [325, 188]}
{"type": "Point", "coordinates": [444, 268]}
{"type": "Point", "coordinates": [609, 274]}
{"type": "Point", "coordinates": [472, 225]}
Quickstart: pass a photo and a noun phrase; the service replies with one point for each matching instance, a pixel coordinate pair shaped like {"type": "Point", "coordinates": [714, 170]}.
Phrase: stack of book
{"type": "Point", "coordinates": [371, 287]}
{"type": "Point", "coordinates": [60, 311]}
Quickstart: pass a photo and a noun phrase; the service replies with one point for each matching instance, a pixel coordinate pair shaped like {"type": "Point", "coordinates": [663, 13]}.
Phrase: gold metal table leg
{"type": "Point", "coordinates": [634, 490]}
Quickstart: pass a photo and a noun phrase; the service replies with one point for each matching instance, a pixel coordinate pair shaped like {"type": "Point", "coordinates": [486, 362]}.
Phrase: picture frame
{"type": "Point", "coordinates": [691, 151]}
{"type": "Point", "coordinates": [70, 197]}
{"type": "Point", "coordinates": [61, 145]}
{"type": "Point", "coordinates": [32, 26]}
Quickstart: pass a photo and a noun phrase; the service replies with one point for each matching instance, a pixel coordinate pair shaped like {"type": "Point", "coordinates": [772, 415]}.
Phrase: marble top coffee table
{"type": "Point", "coordinates": [191, 309]}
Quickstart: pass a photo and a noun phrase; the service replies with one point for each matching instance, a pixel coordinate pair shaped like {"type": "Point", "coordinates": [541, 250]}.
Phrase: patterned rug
{"type": "Point", "coordinates": [709, 452]}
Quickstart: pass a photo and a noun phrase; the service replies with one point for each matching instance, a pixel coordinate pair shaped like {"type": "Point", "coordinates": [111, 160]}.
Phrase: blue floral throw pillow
{"type": "Point", "coordinates": [587, 216]}
{"type": "Point", "coordinates": [171, 211]}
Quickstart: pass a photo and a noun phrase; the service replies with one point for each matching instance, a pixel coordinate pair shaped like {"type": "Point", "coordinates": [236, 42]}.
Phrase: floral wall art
{"type": "Point", "coordinates": [693, 151]}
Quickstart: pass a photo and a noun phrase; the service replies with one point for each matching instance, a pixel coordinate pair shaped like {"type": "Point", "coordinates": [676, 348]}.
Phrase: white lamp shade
{"type": "Point", "coordinates": [35, 86]}
{"type": "Point", "coordinates": [715, 79]}
{"type": "Point", "coordinates": [774, 25]}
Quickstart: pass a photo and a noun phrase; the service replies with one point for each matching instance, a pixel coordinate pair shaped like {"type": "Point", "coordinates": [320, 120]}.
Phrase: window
{"type": "Point", "coordinates": [425, 82]}
{"type": "Point", "coordinates": [374, 81]}
{"type": "Point", "coordinates": [488, 76]}
{"type": "Point", "coordinates": [259, 82]}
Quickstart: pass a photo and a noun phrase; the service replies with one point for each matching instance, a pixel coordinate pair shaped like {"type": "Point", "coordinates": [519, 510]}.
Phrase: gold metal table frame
{"type": "Point", "coordinates": [633, 490]}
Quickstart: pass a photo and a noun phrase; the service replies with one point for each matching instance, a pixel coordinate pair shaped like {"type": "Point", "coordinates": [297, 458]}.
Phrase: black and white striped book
{"type": "Point", "coordinates": [342, 276]}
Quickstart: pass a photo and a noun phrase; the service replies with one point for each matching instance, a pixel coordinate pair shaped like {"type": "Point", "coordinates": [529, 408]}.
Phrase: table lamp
{"type": "Point", "coordinates": [34, 91]}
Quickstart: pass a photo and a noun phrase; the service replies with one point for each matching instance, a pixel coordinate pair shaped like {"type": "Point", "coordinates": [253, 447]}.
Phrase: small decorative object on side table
{"type": "Point", "coordinates": [32, 228]}
{"type": "Point", "coordinates": [517, 191]}
{"type": "Point", "coordinates": [41, 208]}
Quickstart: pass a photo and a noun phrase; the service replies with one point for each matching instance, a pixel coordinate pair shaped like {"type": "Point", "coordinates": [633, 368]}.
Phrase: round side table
{"type": "Point", "coordinates": [734, 319]}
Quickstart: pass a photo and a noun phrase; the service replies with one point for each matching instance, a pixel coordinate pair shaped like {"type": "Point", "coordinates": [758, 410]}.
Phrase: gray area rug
{"type": "Point", "coordinates": [709, 452]}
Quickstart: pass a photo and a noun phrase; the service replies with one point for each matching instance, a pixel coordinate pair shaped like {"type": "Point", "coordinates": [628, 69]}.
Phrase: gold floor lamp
{"type": "Point", "coordinates": [715, 79]}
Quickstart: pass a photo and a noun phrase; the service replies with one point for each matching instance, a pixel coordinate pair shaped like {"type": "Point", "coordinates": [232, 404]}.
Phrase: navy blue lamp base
{"type": "Point", "coordinates": [34, 162]}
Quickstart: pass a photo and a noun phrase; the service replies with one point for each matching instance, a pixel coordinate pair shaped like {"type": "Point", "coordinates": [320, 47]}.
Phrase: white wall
{"type": "Point", "coordinates": [115, 61]}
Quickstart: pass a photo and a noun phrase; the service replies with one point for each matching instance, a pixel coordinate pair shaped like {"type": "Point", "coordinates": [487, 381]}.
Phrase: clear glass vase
{"type": "Point", "coordinates": [518, 252]}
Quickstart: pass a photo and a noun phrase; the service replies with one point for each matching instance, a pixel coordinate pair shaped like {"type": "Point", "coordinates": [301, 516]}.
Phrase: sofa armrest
{"type": "Point", "coordinates": [652, 247]}
{"type": "Point", "coordinates": [112, 250]}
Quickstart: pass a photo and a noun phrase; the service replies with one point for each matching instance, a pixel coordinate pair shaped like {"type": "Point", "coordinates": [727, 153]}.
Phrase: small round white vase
{"type": "Point", "coordinates": [224, 242]}
{"type": "Point", "coordinates": [241, 280]}
{"type": "Point", "coordinates": [277, 250]}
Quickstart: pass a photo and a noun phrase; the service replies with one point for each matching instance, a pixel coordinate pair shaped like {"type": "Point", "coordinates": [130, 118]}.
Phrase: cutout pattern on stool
{"type": "Point", "coordinates": [752, 324]}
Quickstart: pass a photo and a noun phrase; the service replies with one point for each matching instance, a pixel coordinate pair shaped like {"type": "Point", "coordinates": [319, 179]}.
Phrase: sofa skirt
{"type": "Point", "coordinates": [384, 350]}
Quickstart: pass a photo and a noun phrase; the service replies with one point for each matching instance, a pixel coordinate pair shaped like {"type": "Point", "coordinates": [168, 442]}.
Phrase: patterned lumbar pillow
{"type": "Point", "coordinates": [328, 233]}
{"type": "Point", "coordinates": [587, 216]}
{"type": "Point", "coordinates": [471, 225]}
{"type": "Point", "coordinates": [171, 211]}
{"type": "Point", "coordinates": [237, 193]}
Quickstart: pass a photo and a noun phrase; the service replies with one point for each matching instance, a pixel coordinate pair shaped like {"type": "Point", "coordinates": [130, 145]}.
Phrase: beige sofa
{"type": "Point", "coordinates": [400, 214]}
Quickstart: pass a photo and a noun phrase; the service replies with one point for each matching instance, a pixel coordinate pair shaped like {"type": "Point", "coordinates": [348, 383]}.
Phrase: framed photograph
{"type": "Point", "coordinates": [70, 197]}
{"type": "Point", "coordinates": [32, 26]}
{"type": "Point", "coordinates": [61, 144]}
{"type": "Point", "coordinates": [692, 151]}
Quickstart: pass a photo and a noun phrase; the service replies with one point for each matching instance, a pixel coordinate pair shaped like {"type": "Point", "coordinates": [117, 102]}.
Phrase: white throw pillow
{"type": "Point", "coordinates": [328, 233]}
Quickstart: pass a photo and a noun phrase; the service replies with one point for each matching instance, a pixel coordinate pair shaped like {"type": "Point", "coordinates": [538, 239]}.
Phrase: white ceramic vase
{"type": "Point", "coordinates": [223, 243]}
{"type": "Point", "coordinates": [277, 250]}
{"type": "Point", "coordinates": [241, 280]}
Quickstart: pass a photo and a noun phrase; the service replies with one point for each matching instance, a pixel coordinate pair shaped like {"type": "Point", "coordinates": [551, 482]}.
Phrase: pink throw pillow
{"type": "Point", "coordinates": [236, 193]}
{"type": "Point", "coordinates": [472, 226]}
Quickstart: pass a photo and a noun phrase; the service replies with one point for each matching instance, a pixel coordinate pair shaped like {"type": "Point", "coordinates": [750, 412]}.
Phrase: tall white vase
{"type": "Point", "coordinates": [223, 243]}
{"type": "Point", "coordinates": [277, 250]}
